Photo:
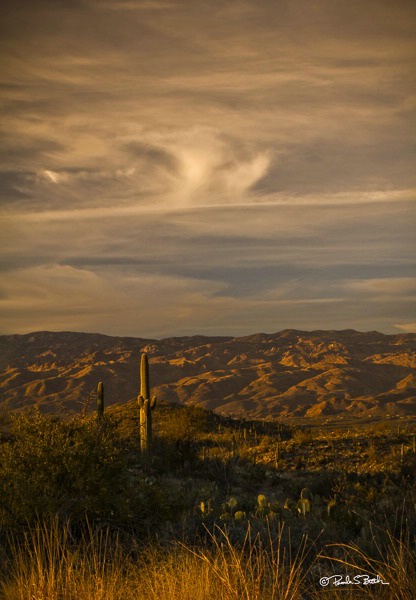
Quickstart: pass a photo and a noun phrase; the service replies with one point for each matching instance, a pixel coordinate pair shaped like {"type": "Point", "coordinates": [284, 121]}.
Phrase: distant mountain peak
{"type": "Point", "coordinates": [283, 374]}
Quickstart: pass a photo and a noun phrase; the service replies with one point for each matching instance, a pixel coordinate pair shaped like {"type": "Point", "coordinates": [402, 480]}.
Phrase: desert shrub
{"type": "Point", "coordinates": [185, 423]}
{"type": "Point", "coordinates": [303, 436]}
{"type": "Point", "coordinates": [49, 466]}
{"type": "Point", "coordinates": [77, 469]}
{"type": "Point", "coordinates": [4, 419]}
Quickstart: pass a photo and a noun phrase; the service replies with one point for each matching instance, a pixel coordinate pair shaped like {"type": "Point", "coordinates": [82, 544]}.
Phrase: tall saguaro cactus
{"type": "Point", "coordinates": [146, 405]}
{"type": "Point", "coordinates": [100, 400]}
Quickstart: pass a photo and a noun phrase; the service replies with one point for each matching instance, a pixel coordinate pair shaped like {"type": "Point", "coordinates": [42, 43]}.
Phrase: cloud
{"type": "Point", "coordinates": [407, 327]}
{"type": "Point", "coordinates": [244, 166]}
{"type": "Point", "coordinates": [297, 267]}
{"type": "Point", "coordinates": [398, 286]}
{"type": "Point", "coordinates": [63, 297]}
{"type": "Point", "coordinates": [135, 6]}
{"type": "Point", "coordinates": [211, 170]}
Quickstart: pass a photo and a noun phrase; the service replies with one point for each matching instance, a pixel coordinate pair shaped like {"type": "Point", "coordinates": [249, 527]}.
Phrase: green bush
{"type": "Point", "coordinates": [185, 423]}
{"type": "Point", "coordinates": [82, 471]}
{"type": "Point", "coordinates": [49, 466]}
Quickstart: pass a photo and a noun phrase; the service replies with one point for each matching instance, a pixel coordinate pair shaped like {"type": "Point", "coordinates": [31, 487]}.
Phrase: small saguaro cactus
{"type": "Point", "coordinates": [146, 406]}
{"type": "Point", "coordinates": [100, 400]}
{"type": "Point", "coordinates": [277, 455]}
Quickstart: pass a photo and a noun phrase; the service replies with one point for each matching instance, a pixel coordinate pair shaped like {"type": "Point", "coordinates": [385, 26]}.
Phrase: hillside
{"type": "Point", "coordinates": [286, 374]}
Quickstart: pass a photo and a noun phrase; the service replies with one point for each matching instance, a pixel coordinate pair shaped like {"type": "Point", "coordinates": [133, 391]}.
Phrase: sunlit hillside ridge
{"type": "Point", "coordinates": [289, 374]}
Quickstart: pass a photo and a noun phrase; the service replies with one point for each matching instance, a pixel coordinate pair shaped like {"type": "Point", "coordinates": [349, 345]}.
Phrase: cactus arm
{"type": "Point", "coordinates": [153, 403]}
{"type": "Point", "coordinates": [144, 377]}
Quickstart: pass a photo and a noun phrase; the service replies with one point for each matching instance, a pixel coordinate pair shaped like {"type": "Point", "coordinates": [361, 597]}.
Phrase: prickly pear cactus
{"type": "Point", "coordinates": [306, 494]}
{"type": "Point", "coordinates": [146, 405]}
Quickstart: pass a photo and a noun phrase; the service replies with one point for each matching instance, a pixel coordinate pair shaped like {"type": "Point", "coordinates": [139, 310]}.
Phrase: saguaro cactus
{"type": "Point", "coordinates": [100, 400]}
{"type": "Point", "coordinates": [277, 455]}
{"type": "Point", "coordinates": [146, 406]}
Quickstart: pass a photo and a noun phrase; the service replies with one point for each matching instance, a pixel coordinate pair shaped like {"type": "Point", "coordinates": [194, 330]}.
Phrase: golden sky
{"type": "Point", "coordinates": [215, 167]}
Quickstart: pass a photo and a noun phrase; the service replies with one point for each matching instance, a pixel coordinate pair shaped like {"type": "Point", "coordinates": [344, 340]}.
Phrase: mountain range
{"type": "Point", "coordinates": [286, 374]}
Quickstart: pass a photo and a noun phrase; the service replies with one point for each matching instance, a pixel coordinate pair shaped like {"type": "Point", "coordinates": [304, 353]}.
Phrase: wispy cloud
{"type": "Point", "coordinates": [242, 165]}
{"type": "Point", "coordinates": [407, 327]}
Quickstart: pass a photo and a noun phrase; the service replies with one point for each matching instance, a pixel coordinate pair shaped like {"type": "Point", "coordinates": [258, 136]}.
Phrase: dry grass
{"type": "Point", "coordinates": [393, 560]}
{"type": "Point", "coordinates": [251, 571]}
{"type": "Point", "coordinates": [48, 565]}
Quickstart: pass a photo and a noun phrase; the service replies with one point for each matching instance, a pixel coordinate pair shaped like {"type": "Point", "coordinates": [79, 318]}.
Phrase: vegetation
{"type": "Point", "coordinates": [221, 508]}
{"type": "Point", "coordinates": [146, 405]}
{"type": "Point", "coordinates": [100, 400]}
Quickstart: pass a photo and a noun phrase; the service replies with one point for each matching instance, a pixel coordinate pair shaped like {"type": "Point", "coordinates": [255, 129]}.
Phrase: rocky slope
{"type": "Point", "coordinates": [290, 373]}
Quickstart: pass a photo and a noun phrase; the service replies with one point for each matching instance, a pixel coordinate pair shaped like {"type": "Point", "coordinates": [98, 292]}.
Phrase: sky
{"type": "Point", "coordinates": [214, 167]}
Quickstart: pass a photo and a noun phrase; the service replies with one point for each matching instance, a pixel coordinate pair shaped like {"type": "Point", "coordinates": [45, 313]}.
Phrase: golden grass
{"type": "Point", "coordinates": [393, 560]}
{"type": "Point", "coordinates": [47, 565]}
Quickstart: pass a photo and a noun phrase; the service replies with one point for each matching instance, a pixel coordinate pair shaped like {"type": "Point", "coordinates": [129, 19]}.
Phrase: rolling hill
{"type": "Point", "coordinates": [286, 374]}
